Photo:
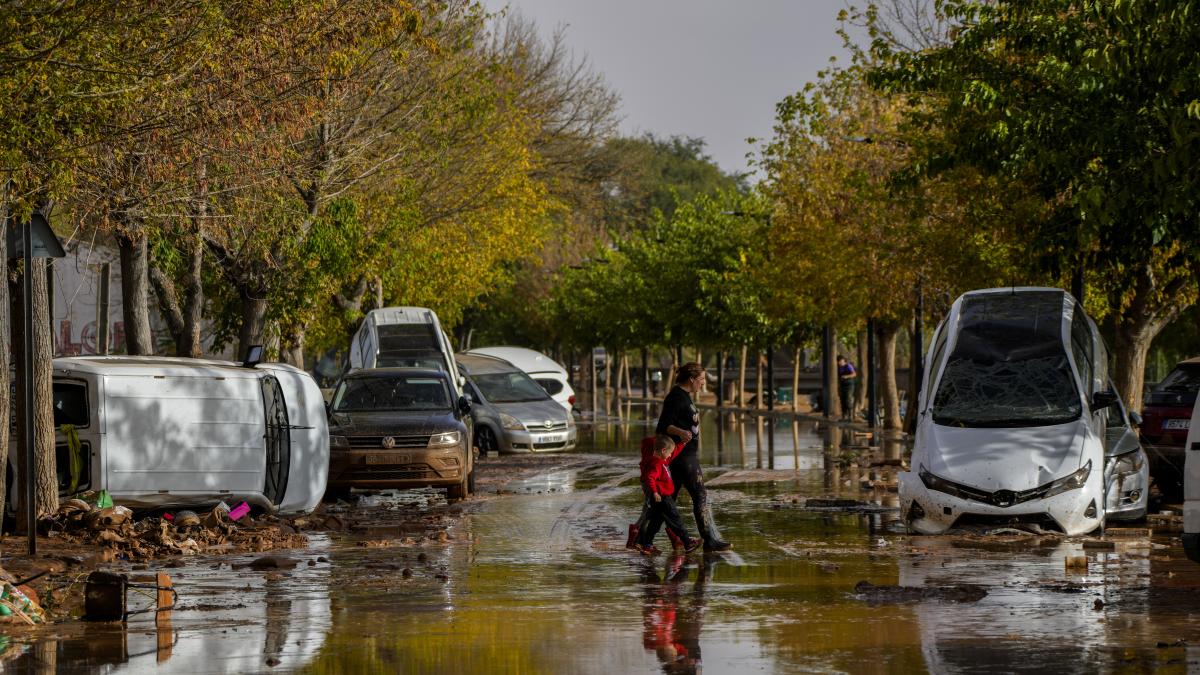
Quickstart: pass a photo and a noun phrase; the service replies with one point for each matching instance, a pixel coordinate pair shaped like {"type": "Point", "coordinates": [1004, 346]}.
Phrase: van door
{"type": "Point", "coordinates": [77, 436]}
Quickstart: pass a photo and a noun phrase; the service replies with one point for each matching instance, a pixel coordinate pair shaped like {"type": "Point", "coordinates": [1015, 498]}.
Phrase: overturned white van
{"type": "Point", "coordinates": [404, 337]}
{"type": "Point", "coordinates": [162, 432]}
{"type": "Point", "coordinates": [1018, 421]}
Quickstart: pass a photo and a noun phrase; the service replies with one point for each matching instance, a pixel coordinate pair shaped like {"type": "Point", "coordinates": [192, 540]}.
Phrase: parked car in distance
{"type": "Point", "coordinates": [543, 369]}
{"type": "Point", "coordinates": [1191, 487]}
{"type": "Point", "coordinates": [512, 412]}
{"type": "Point", "coordinates": [400, 428]}
{"type": "Point", "coordinates": [1166, 416]}
{"type": "Point", "coordinates": [1018, 421]}
{"type": "Point", "coordinates": [161, 432]}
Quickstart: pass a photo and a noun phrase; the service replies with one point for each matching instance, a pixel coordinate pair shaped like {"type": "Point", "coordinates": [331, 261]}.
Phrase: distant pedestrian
{"type": "Point", "coordinates": [660, 494]}
{"type": "Point", "coordinates": [680, 419]}
{"type": "Point", "coordinates": [847, 386]}
{"type": "Point", "coordinates": [655, 382]}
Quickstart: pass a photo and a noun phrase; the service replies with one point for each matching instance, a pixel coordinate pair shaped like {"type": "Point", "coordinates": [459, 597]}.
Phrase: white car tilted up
{"type": "Point", "coordinates": [169, 432]}
{"type": "Point", "coordinates": [543, 369]}
{"type": "Point", "coordinates": [1191, 487]}
{"type": "Point", "coordinates": [1018, 421]}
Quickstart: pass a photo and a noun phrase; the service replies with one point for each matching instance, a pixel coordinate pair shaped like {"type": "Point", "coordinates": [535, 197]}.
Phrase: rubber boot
{"type": "Point", "coordinates": [631, 542]}
{"type": "Point", "coordinates": [675, 540]}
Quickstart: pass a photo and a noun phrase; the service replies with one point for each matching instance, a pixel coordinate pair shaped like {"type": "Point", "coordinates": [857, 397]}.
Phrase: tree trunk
{"type": "Point", "coordinates": [293, 348]}
{"type": "Point", "coordinates": [193, 299]}
{"type": "Point", "coordinates": [5, 351]}
{"type": "Point", "coordinates": [887, 375]}
{"type": "Point", "coordinates": [135, 301]}
{"type": "Point", "coordinates": [914, 396]}
{"type": "Point", "coordinates": [45, 476]}
{"type": "Point", "coordinates": [759, 399]}
{"type": "Point", "coordinates": [1151, 309]}
{"type": "Point", "coordinates": [797, 354]}
{"type": "Point", "coordinates": [254, 319]}
{"type": "Point", "coordinates": [741, 392]}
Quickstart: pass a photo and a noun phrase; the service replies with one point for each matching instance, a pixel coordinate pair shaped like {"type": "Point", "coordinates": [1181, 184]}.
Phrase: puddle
{"type": "Point", "coordinates": [534, 577]}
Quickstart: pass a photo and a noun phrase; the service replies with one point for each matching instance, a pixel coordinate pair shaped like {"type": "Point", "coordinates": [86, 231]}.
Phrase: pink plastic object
{"type": "Point", "coordinates": [239, 511]}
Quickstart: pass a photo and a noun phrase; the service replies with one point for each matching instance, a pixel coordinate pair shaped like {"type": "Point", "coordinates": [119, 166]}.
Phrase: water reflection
{"type": "Point", "coordinates": [672, 619]}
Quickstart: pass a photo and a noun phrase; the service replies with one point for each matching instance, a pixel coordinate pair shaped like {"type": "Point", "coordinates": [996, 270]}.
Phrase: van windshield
{"type": "Point", "coordinates": [1009, 366]}
{"type": "Point", "coordinates": [513, 387]}
{"type": "Point", "coordinates": [391, 392]}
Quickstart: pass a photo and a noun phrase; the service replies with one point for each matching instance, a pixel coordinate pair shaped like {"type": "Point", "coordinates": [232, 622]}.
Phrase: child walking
{"type": "Point", "coordinates": [656, 481]}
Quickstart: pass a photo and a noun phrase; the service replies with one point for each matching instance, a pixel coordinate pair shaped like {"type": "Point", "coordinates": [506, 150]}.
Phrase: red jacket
{"type": "Point", "coordinates": [656, 476]}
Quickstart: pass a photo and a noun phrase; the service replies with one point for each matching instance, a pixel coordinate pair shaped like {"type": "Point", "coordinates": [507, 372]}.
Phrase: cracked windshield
{"type": "Point", "coordinates": [457, 336]}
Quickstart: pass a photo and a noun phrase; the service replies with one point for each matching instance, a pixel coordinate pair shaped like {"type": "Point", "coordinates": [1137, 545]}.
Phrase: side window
{"type": "Point", "coordinates": [935, 363]}
{"type": "Point", "coordinates": [1081, 349]}
{"type": "Point", "coordinates": [70, 404]}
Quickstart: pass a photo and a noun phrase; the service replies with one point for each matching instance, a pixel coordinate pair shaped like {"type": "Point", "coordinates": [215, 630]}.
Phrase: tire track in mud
{"type": "Point", "coordinates": [590, 506]}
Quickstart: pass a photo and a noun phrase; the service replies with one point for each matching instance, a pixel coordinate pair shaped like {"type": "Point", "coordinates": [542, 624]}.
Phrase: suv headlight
{"type": "Point", "coordinates": [1072, 482]}
{"type": "Point", "coordinates": [338, 442]}
{"type": "Point", "coordinates": [444, 439]}
{"type": "Point", "coordinates": [511, 423]}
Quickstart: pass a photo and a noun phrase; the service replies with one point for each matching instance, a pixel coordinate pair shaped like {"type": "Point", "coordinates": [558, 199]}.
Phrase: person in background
{"type": "Point", "coordinates": [847, 385]}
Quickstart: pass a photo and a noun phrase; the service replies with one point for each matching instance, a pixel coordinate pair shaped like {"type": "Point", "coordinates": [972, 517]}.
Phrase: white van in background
{"type": "Point", "coordinates": [544, 370]}
{"type": "Point", "coordinates": [404, 337]}
{"type": "Point", "coordinates": [160, 432]}
{"type": "Point", "coordinates": [1191, 487]}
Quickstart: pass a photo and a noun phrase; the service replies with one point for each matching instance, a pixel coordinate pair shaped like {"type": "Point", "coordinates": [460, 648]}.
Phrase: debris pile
{"type": "Point", "coordinates": [181, 533]}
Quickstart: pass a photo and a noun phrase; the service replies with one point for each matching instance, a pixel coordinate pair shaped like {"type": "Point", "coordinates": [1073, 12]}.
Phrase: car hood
{"type": "Point", "coordinates": [1004, 459]}
{"type": "Point", "coordinates": [414, 423]}
{"type": "Point", "coordinates": [535, 413]}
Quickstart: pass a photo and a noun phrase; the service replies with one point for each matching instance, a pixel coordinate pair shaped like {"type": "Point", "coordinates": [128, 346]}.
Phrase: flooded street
{"type": "Point", "coordinates": [534, 577]}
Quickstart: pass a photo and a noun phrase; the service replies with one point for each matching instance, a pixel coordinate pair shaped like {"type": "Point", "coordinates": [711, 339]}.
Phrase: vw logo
{"type": "Point", "coordinates": [389, 442]}
{"type": "Point", "coordinates": [1004, 498]}
{"type": "Point", "coordinates": [549, 424]}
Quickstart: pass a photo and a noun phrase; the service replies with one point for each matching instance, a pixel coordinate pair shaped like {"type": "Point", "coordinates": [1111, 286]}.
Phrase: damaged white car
{"type": "Point", "coordinates": [1019, 423]}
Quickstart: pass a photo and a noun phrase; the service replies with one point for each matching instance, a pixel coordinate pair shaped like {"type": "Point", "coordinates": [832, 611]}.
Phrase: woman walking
{"type": "Point", "coordinates": [680, 420]}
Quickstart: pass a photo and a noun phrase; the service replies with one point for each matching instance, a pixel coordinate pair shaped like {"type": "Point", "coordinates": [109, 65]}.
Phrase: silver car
{"type": "Point", "coordinates": [511, 412]}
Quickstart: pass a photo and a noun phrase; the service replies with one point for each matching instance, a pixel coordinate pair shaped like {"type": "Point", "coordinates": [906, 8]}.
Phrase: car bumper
{"type": "Point", "coordinates": [397, 468]}
{"type": "Point", "coordinates": [1128, 494]}
{"type": "Point", "coordinates": [941, 511]}
{"type": "Point", "coordinates": [539, 441]}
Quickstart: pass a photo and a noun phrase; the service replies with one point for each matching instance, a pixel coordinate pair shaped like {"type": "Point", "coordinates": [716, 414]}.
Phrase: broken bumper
{"type": "Point", "coordinates": [938, 511]}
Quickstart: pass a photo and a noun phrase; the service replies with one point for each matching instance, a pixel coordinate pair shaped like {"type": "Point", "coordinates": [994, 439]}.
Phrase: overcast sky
{"type": "Point", "coordinates": [708, 68]}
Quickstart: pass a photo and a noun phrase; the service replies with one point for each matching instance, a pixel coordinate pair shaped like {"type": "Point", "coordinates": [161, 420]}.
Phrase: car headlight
{"type": "Point", "coordinates": [444, 439]}
{"type": "Point", "coordinates": [936, 484]}
{"type": "Point", "coordinates": [511, 423]}
{"type": "Point", "coordinates": [1130, 462]}
{"type": "Point", "coordinates": [1072, 482]}
{"type": "Point", "coordinates": [338, 441]}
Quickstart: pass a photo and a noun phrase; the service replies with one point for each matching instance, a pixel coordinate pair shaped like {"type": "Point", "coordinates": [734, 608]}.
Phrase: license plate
{"type": "Point", "coordinates": [550, 438]}
{"type": "Point", "coordinates": [1177, 423]}
{"type": "Point", "coordinates": [386, 459]}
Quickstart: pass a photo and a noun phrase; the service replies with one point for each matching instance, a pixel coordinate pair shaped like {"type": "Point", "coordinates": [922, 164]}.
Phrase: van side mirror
{"type": "Point", "coordinates": [1135, 419]}
{"type": "Point", "coordinates": [254, 356]}
{"type": "Point", "coordinates": [1103, 399]}
{"type": "Point", "coordinates": [464, 406]}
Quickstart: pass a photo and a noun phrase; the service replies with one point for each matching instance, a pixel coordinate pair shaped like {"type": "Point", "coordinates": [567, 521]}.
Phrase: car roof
{"type": "Point", "coordinates": [383, 372]}
{"type": "Point", "coordinates": [529, 360]}
{"type": "Point", "coordinates": [1195, 360]}
{"type": "Point", "coordinates": [479, 364]}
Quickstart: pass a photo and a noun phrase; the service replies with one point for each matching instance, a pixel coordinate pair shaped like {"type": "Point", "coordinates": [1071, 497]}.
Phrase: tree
{"type": "Point", "coordinates": [1096, 107]}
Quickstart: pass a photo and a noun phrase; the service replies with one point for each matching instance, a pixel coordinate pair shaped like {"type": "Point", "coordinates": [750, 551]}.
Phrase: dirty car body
{"type": "Point", "coordinates": [160, 432]}
{"type": "Point", "coordinates": [1018, 421]}
{"type": "Point", "coordinates": [400, 428]}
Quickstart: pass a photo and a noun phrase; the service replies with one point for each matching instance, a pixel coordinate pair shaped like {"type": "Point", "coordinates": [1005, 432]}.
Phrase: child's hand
{"type": "Point", "coordinates": [657, 497]}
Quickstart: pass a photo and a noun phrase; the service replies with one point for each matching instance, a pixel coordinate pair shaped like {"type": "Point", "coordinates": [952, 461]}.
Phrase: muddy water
{"type": "Point", "coordinates": [536, 579]}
